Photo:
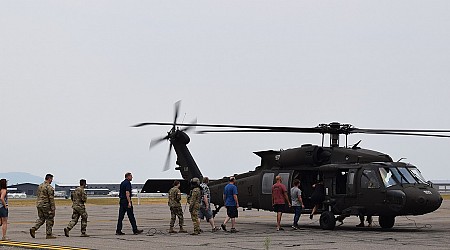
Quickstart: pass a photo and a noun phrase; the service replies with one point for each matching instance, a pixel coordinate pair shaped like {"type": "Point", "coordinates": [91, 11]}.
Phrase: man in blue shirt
{"type": "Point", "coordinates": [126, 205]}
{"type": "Point", "coordinates": [231, 202]}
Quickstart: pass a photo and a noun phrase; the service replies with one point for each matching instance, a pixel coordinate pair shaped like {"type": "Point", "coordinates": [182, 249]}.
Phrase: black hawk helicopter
{"type": "Point", "coordinates": [357, 181]}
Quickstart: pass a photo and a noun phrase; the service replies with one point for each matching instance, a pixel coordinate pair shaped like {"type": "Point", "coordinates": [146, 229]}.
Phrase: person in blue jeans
{"type": "Point", "coordinates": [297, 202]}
{"type": "Point", "coordinates": [126, 205]}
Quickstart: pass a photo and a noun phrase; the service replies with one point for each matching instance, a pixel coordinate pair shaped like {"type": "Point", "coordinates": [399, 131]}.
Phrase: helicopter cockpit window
{"type": "Point", "coordinates": [369, 179]}
{"type": "Point", "coordinates": [387, 175]}
{"type": "Point", "coordinates": [408, 176]}
{"type": "Point", "coordinates": [418, 175]}
{"type": "Point", "coordinates": [267, 182]}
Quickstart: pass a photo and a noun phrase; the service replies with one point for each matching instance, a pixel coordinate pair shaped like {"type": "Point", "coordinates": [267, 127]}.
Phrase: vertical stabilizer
{"type": "Point", "coordinates": [186, 163]}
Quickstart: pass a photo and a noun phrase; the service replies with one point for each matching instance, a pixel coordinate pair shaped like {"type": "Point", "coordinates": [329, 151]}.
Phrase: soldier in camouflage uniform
{"type": "Point", "coordinates": [175, 207]}
{"type": "Point", "coordinates": [79, 197]}
{"type": "Point", "coordinates": [194, 204]}
{"type": "Point", "coordinates": [46, 207]}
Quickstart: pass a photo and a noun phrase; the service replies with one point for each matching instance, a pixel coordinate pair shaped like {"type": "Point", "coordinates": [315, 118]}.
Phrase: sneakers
{"type": "Point", "coordinates": [84, 235]}
{"type": "Point", "coordinates": [280, 229]}
{"type": "Point", "coordinates": [234, 230]}
{"type": "Point", "coordinates": [50, 236]}
{"type": "Point", "coordinates": [295, 227]}
{"type": "Point", "coordinates": [171, 231]}
{"type": "Point", "coordinates": [311, 216]}
{"type": "Point", "coordinates": [139, 231]}
{"type": "Point", "coordinates": [224, 227]}
{"type": "Point", "coordinates": [215, 229]}
{"type": "Point", "coordinates": [120, 233]}
{"type": "Point", "coordinates": [5, 239]}
{"type": "Point", "coordinates": [33, 232]}
{"type": "Point", "coordinates": [66, 232]}
{"type": "Point", "coordinates": [195, 233]}
{"type": "Point", "coordinates": [182, 230]}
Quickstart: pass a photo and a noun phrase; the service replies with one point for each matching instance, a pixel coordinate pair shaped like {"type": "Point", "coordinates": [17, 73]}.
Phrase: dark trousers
{"type": "Point", "coordinates": [129, 211]}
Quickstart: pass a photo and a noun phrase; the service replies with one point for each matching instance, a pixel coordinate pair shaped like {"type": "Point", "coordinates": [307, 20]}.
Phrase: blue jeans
{"type": "Point", "coordinates": [297, 213]}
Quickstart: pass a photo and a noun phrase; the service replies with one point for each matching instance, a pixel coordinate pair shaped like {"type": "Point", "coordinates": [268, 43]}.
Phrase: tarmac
{"type": "Point", "coordinates": [256, 231]}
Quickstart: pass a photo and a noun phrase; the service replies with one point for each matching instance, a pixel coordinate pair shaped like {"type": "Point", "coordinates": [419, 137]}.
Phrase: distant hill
{"type": "Point", "coordinates": [21, 177]}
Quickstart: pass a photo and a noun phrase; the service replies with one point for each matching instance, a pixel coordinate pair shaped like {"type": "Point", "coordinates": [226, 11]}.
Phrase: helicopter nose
{"type": "Point", "coordinates": [422, 200]}
{"type": "Point", "coordinates": [396, 199]}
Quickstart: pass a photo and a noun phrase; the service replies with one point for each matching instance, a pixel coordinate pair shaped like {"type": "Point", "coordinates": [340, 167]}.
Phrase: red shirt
{"type": "Point", "coordinates": [278, 191]}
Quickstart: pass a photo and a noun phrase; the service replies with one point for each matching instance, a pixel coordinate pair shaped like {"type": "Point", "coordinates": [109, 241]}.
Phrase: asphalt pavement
{"type": "Point", "coordinates": [257, 231]}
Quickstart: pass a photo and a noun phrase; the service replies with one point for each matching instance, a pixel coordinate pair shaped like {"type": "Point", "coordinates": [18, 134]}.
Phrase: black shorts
{"type": "Point", "coordinates": [232, 212]}
{"type": "Point", "coordinates": [3, 212]}
{"type": "Point", "coordinates": [278, 207]}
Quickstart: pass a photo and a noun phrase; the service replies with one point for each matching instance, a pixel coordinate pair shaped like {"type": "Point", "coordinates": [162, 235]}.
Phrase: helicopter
{"type": "Point", "coordinates": [356, 181]}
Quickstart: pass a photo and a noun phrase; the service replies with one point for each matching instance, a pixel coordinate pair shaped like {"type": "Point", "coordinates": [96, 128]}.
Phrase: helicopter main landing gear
{"type": "Point", "coordinates": [386, 221]}
{"type": "Point", "coordinates": [327, 220]}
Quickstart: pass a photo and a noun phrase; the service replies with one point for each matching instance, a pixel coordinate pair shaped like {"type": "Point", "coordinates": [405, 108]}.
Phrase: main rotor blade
{"type": "Point", "coordinates": [167, 164]}
{"type": "Point", "coordinates": [289, 129]}
{"type": "Point", "coordinates": [400, 133]}
{"type": "Point", "coordinates": [238, 131]}
{"type": "Point", "coordinates": [286, 131]}
{"type": "Point", "coordinates": [156, 141]}
{"type": "Point", "coordinates": [363, 130]}
{"type": "Point", "coordinates": [319, 129]}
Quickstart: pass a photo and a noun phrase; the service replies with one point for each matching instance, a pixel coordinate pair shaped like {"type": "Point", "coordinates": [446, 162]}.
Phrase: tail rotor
{"type": "Point", "coordinates": [171, 135]}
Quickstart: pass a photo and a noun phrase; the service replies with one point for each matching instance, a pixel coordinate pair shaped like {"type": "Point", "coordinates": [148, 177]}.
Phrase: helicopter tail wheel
{"type": "Point", "coordinates": [386, 221]}
{"type": "Point", "coordinates": [327, 220]}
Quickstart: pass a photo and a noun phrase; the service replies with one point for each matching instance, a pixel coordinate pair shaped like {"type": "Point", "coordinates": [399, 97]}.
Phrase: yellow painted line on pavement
{"type": "Point", "coordinates": [38, 246]}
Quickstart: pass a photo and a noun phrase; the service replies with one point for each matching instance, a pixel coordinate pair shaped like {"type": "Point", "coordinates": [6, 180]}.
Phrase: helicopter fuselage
{"type": "Point", "coordinates": [355, 183]}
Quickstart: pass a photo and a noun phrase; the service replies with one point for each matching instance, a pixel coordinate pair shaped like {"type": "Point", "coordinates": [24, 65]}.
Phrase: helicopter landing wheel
{"type": "Point", "coordinates": [386, 221]}
{"type": "Point", "coordinates": [327, 220]}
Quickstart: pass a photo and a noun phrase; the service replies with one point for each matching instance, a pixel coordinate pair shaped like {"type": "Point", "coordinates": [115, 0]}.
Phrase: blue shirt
{"type": "Point", "coordinates": [229, 191]}
{"type": "Point", "coordinates": [125, 186]}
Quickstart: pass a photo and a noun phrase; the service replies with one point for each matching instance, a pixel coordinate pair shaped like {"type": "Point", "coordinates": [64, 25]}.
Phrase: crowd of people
{"type": "Point", "coordinates": [199, 206]}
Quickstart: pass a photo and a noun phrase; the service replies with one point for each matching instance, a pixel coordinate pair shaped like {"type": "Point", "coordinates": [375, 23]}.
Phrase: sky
{"type": "Point", "coordinates": [76, 75]}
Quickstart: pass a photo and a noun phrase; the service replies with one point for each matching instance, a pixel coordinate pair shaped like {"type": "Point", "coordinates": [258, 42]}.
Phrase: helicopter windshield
{"type": "Point", "coordinates": [408, 176]}
{"type": "Point", "coordinates": [418, 175]}
{"type": "Point", "coordinates": [387, 175]}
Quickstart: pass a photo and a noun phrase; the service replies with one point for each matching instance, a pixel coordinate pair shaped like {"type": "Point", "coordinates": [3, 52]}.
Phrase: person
{"type": "Point", "coordinates": [79, 197]}
{"type": "Point", "coordinates": [45, 205]}
{"type": "Point", "coordinates": [194, 204]}
{"type": "Point", "coordinates": [230, 198]}
{"type": "Point", "coordinates": [279, 198]}
{"type": "Point", "coordinates": [205, 205]}
{"type": "Point", "coordinates": [126, 206]}
{"type": "Point", "coordinates": [4, 208]}
{"type": "Point", "coordinates": [297, 202]}
{"type": "Point", "coordinates": [175, 207]}
{"type": "Point", "coordinates": [317, 197]}
{"type": "Point", "coordinates": [361, 220]}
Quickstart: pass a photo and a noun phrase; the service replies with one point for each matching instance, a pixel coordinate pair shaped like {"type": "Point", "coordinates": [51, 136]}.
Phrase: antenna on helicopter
{"type": "Point", "coordinates": [356, 145]}
{"type": "Point", "coordinates": [399, 160]}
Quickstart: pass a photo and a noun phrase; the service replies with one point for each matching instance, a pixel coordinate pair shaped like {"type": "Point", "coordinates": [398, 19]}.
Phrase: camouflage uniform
{"type": "Point", "coordinates": [194, 207]}
{"type": "Point", "coordinates": [175, 207]}
{"type": "Point", "coordinates": [45, 205]}
{"type": "Point", "coordinates": [79, 197]}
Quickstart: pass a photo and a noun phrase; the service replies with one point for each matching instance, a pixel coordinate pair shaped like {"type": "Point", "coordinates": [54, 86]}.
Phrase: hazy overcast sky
{"type": "Point", "coordinates": [75, 75]}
